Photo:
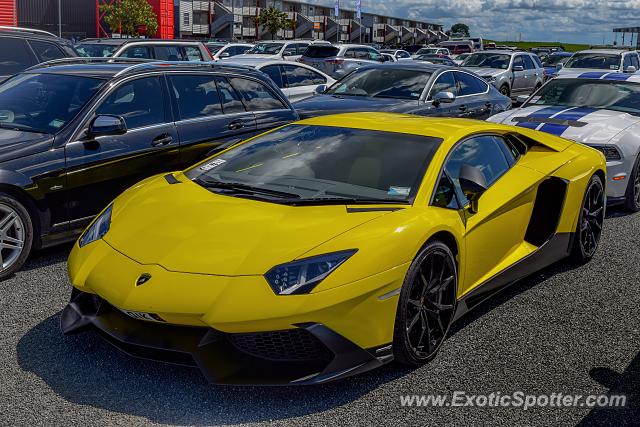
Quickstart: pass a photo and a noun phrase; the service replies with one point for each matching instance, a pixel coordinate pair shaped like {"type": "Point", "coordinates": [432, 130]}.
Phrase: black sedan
{"type": "Point", "coordinates": [408, 87]}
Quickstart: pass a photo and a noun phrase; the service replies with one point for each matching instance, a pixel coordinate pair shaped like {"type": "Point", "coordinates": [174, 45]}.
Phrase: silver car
{"type": "Point", "coordinates": [512, 73]}
{"type": "Point", "coordinates": [338, 61]}
{"type": "Point", "coordinates": [289, 50]}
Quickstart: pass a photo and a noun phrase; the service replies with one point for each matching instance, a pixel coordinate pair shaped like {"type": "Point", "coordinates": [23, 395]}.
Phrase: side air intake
{"type": "Point", "coordinates": [546, 211]}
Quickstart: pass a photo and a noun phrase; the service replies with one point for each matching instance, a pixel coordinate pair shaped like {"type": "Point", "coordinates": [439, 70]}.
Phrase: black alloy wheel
{"type": "Point", "coordinates": [426, 306]}
{"type": "Point", "coordinates": [589, 228]}
{"type": "Point", "coordinates": [632, 197]}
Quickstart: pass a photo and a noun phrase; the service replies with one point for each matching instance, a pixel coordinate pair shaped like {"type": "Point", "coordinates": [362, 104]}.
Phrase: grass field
{"type": "Point", "coordinates": [569, 47]}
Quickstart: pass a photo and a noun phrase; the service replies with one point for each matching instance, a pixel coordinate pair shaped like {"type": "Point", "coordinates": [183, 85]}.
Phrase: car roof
{"type": "Point", "coordinates": [412, 65]}
{"type": "Point", "coordinates": [443, 128]}
{"type": "Point", "coordinates": [128, 68]}
{"type": "Point", "coordinates": [504, 51]}
{"type": "Point", "coordinates": [599, 75]}
{"type": "Point", "coordinates": [31, 34]}
{"type": "Point", "coordinates": [605, 51]}
{"type": "Point", "coordinates": [119, 42]}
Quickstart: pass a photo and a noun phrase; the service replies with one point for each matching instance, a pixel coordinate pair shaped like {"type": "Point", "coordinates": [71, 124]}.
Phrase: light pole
{"type": "Point", "coordinates": [59, 19]}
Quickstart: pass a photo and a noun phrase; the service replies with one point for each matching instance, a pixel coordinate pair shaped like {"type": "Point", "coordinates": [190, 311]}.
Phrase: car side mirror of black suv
{"type": "Point", "coordinates": [473, 185]}
{"type": "Point", "coordinates": [106, 124]}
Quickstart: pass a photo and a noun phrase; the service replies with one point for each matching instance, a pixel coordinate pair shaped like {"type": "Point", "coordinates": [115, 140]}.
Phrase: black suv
{"type": "Point", "coordinates": [75, 135]}
{"type": "Point", "coordinates": [21, 48]}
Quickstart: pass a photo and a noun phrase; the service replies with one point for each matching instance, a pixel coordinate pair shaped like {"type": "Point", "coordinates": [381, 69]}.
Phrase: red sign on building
{"type": "Point", "coordinates": [8, 14]}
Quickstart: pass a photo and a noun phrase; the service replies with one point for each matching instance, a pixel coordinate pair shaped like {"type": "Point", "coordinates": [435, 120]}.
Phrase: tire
{"type": "Point", "coordinates": [632, 196]}
{"type": "Point", "coordinates": [426, 305]}
{"type": "Point", "coordinates": [16, 235]}
{"type": "Point", "coordinates": [589, 228]}
{"type": "Point", "coordinates": [504, 89]}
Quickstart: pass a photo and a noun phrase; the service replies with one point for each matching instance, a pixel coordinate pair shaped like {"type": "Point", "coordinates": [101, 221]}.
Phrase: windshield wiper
{"type": "Point", "coordinates": [346, 201]}
{"type": "Point", "coordinates": [238, 187]}
{"type": "Point", "coordinates": [16, 126]}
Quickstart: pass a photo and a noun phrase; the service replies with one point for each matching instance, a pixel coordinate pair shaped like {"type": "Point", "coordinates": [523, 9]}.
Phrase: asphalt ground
{"type": "Point", "coordinates": [567, 329]}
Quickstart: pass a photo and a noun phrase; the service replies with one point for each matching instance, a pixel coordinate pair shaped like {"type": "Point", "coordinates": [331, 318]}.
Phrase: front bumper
{"type": "Point", "coordinates": [349, 323]}
{"type": "Point", "coordinates": [618, 175]}
{"type": "Point", "coordinates": [308, 354]}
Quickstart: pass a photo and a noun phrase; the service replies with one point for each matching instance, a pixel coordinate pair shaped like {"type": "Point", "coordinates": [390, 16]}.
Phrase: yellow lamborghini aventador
{"type": "Point", "coordinates": [331, 246]}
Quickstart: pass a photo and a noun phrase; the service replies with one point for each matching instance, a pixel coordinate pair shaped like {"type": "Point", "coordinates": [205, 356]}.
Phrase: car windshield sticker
{"type": "Point", "coordinates": [399, 191]}
{"type": "Point", "coordinates": [212, 164]}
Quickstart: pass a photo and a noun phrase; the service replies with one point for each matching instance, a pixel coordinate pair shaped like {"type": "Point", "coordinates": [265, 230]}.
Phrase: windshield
{"type": "Point", "coordinates": [553, 60]}
{"type": "Point", "coordinates": [427, 50]}
{"type": "Point", "coordinates": [383, 83]}
{"type": "Point", "coordinates": [322, 164]}
{"type": "Point", "coordinates": [266, 49]}
{"type": "Point", "coordinates": [598, 61]}
{"type": "Point", "coordinates": [488, 60]}
{"type": "Point", "coordinates": [95, 50]}
{"type": "Point", "coordinates": [44, 102]}
{"type": "Point", "coordinates": [603, 94]}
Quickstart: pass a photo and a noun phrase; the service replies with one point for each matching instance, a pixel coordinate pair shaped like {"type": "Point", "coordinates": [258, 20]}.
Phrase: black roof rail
{"type": "Point", "coordinates": [87, 60]}
{"type": "Point", "coordinates": [27, 30]}
{"type": "Point", "coordinates": [181, 64]}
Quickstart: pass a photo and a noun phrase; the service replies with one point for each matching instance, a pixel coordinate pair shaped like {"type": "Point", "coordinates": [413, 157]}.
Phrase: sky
{"type": "Point", "coordinates": [568, 21]}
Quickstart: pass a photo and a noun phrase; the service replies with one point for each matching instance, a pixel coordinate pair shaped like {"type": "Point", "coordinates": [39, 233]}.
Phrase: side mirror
{"type": "Point", "coordinates": [107, 124]}
{"type": "Point", "coordinates": [225, 55]}
{"type": "Point", "coordinates": [559, 66]}
{"type": "Point", "coordinates": [630, 69]}
{"type": "Point", "coordinates": [320, 89]}
{"type": "Point", "coordinates": [473, 185]}
{"type": "Point", "coordinates": [443, 98]}
{"type": "Point", "coordinates": [518, 68]}
{"type": "Point", "coordinates": [521, 99]}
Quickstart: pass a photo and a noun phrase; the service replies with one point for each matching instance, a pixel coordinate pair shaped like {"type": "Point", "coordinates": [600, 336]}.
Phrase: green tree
{"type": "Point", "coordinates": [273, 20]}
{"type": "Point", "coordinates": [128, 16]}
{"type": "Point", "coordinates": [460, 28]}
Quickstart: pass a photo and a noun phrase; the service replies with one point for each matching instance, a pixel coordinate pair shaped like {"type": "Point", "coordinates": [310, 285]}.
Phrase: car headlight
{"type": "Point", "coordinates": [98, 229]}
{"type": "Point", "coordinates": [300, 277]}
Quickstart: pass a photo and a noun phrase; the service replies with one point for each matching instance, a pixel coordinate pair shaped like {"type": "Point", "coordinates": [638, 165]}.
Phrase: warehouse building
{"type": "Point", "coordinates": [233, 19]}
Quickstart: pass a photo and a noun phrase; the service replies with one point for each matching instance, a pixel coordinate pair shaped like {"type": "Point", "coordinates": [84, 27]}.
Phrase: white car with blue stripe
{"type": "Point", "coordinates": [599, 109]}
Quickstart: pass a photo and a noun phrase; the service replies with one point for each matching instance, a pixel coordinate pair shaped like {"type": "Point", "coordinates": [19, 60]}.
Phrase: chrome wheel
{"type": "Point", "coordinates": [430, 304]}
{"type": "Point", "coordinates": [592, 218]}
{"type": "Point", "coordinates": [12, 236]}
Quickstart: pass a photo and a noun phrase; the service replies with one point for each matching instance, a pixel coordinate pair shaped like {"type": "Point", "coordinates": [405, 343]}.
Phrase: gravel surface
{"type": "Point", "coordinates": [565, 330]}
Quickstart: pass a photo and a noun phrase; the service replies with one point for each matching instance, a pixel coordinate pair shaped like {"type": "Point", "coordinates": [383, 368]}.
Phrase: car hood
{"type": "Point", "coordinates": [486, 72]}
{"type": "Point", "coordinates": [16, 143]}
{"type": "Point", "coordinates": [586, 125]}
{"type": "Point", "coordinates": [320, 105]}
{"type": "Point", "coordinates": [186, 228]}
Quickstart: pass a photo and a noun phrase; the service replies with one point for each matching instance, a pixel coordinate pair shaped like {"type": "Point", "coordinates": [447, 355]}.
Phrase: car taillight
{"type": "Point", "coordinates": [300, 59]}
{"type": "Point", "coordinates": [334, 61]}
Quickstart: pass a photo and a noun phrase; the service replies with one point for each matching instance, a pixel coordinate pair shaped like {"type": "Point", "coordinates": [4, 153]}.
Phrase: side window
{"type": "Point", "coordinates": [517, 61]}
{"type": "Point", "coordinates": [300, 76]}
{"type": "Point", "coordinates": [255, 95]}
{"type": "Point", "coordinates": [192, 53]}
{"type": "Point", "coordinates": [469, 85]}
{"type": "Point", "coordinates": [139, 52]}
{"type": "Point", "coordinates": [168, 53]}
{"type": "Point", "coordinates": [16, 56]}
{"type": "Point", "coordinates": [528, 63]}
{"type": "Point", "coordinates": [508, 145]}
{"type": "Point", "coordinates": [301, 47]}
{"type": "Point", "coordinates": [444, 83]}
{"type": "Point", "coordinates": [197, 96]}
{"type": "Point", "coordinates": [483, 152]}
{"type": "Point", "coordinates": [627, 61]}
{"type": "Point", "coordinates": [537, 60]}
{"type": "Point", "coordinates": [445, 195]}
{"type": "Point", "coordinates": [139, 102]}
{"type": "Point", "coordinates": [275, 72]}
{"type": "Point", "coordinates": [290, 50]}
{"type": "Point", "coordinates": [46, 51]}
{"type": "Point", "coordinates": [374, 55]}
{"type": "Point", "coordinates": [404, 55]}
{"type": "Point", "coordinates": [350, 53]}
{"type": "Point", "coordinates": [634, 61]}
{"type": "Point", "coordinates": [230, 99]}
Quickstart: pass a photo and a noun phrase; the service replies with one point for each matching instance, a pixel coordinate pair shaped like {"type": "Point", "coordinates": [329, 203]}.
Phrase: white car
{"type": "Point", "coordinates": [597, 60]}
{"type": "Point", "coordinates": [229, 50]}
{"type": "Point", "coordinates": [297, 81]}
{"type": "Point", "coordinates": [459, 59]}
{"type": "Point", "coordinates": [432, 51]}
{"type": "Point", "coordinates": [277, 49]}
{"type": "Point", "coordinates": [598, 109]}
{"type": "Point", "coordinates": [398, 54]}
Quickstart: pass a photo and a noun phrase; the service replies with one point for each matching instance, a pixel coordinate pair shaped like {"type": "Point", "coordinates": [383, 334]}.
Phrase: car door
{"type": "Point", "coordinates": [301, 82]}
{"type": "Point", "coordinates": [472, 96]}
{"type": "Point", "coordinates": [99, 168]}
{"type": "Point", "coordinates": [269, 110]}
{"type": "Point", "coordinates": [530, 73]}
{"type": "Point", "coordinates": [519, 82]}
{"type": "Point", "coordinates": [445, 82]}
{"type": "Point", "coordinates": [494, 233]}
{"type": "Point", "coordinates": [209, 114]}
